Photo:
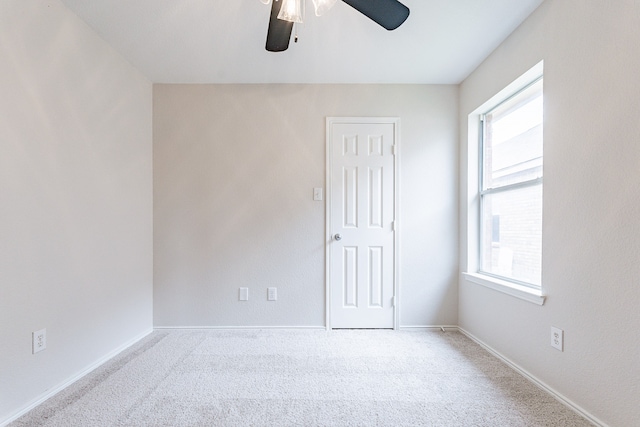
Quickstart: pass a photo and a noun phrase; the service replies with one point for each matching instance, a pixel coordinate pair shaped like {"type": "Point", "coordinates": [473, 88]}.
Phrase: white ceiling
{"type": "Point", "coordinates": [222, 41]}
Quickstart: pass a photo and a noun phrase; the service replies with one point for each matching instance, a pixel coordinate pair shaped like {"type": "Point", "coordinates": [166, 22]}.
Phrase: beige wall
{"type": "Point", "coordinates": [75, 199]}
{"type": "Point", "coordinates": [591, 232]}
{"type": "Point", "coordinates": [234, 170]}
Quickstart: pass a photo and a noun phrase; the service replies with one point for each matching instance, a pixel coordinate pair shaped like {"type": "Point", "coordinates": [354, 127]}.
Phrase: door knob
{"type": "Point", "coordinates": [337, 237]}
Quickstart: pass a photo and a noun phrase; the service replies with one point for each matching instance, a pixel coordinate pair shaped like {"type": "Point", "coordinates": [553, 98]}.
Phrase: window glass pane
{"type": "Point", "coordinates": [512, 140]}
{"type": "Point", "coordinates": [514, 249]}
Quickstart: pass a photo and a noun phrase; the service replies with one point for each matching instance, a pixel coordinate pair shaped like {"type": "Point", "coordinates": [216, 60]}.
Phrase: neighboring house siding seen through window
{"type": "Point", "coordinates": [511, 188]}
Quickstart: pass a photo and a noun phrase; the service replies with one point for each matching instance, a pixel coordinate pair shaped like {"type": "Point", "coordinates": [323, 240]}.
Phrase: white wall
{"type": "Point", "coordinates": [234, 170]}
{"type": "Point", "coordinates": [591, 236]}
{"type": "Point", "coordinates": [75, 191]}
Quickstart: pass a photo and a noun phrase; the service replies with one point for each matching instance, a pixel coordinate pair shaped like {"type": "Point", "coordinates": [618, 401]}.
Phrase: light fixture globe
{"type": "Point", "coordinates": [292, 11]}
{"type": "Point", "coordinates": [322, 6]}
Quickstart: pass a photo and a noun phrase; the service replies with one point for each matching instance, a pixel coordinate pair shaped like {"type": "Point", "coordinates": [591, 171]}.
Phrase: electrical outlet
{"type": "Point", "coordinates": [244, 294]}
{"type": "Point", "coordinates": [39, 340]}
{"type": "Point", "coordinates": [557, 338]}
{"type": "Point", "coordinates": [272, 294]}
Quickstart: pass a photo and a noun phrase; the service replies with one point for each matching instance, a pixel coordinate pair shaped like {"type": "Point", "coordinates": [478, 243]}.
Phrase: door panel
{"type": "Point", "coordinates": [361, 214]}
{"type": "Point", "coordinates": [375, 198]}
{"type": "Point", "coordinates": [375, 276]}
{"type": "Point", "coordinates": [350, 202]}
{"type": "Point", "coordinates": [350, 278]}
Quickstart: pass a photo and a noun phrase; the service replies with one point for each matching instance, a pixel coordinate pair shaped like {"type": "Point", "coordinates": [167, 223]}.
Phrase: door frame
{"type": "Point", "coordinates": [395, 121]}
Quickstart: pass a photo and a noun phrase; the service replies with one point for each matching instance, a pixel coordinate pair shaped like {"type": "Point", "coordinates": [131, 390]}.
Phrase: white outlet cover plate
{"type": "Point", "coordinates": [557, 338]}
{"type": "Point", "coordinates": [39, 340]}
{"type": "Point", "coordinates": [272, 294]}
{"type": "Point", "coordinates": [244, 294]}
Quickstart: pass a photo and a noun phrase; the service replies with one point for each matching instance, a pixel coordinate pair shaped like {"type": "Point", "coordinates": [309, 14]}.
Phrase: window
{"type": "Point", "coordinates": [511, 188]}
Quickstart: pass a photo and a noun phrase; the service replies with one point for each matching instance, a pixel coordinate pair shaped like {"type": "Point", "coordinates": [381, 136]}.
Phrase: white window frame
{"type": "Point", "coordinates": [473, 271]}
{"type": "Point", "coordinates": [484, 191]}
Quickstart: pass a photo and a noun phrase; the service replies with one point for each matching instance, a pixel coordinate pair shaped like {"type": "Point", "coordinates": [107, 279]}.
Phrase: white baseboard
{"type": "Point", "coordinates": [401, 328]}
{"type": "Point", "coordinates": [558, 396]}
{"type": "Point", "coordinates": [428, 328]}
{"type": "Point", "coordinates": [57, 389]}
{"type": "Point", "coordinates": [238, 327]}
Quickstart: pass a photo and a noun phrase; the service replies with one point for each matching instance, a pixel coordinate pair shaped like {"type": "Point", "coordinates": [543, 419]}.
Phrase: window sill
{"type": "Point", "coordinates": [513, 289]}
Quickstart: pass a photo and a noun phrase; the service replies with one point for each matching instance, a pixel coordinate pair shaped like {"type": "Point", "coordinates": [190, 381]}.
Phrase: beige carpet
{"type": "Point", "coordinates": [303, 378]}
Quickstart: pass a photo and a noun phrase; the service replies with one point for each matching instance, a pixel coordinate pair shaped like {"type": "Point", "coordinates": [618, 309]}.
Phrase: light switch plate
{"type": "Point", "coordinates": [244, 294]}
{"type": "Point", "coordinates": [317, 194]}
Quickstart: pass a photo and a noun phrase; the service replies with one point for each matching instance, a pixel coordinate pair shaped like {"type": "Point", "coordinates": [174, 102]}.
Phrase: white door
{"type": "Point", "coordinates": [360, 215]}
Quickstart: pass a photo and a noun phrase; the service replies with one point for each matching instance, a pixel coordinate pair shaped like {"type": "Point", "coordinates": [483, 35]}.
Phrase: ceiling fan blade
{"type": "Point", "coordinates": [279, 32]}
{"type": "Point", "coordinates": [388, 13]}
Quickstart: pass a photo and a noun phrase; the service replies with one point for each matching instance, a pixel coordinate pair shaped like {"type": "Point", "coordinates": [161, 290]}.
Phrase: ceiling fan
{"type": "Point", "coordinates": [390, 14]}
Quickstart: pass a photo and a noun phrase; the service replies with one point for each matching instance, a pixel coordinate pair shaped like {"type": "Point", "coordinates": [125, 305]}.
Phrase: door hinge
{"type": "Point", "coordinates": [394, 149]}
{"type": "Point", "coordinates": [393, 301]}
{"type": "Point", "coordinates": [393, 225]}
